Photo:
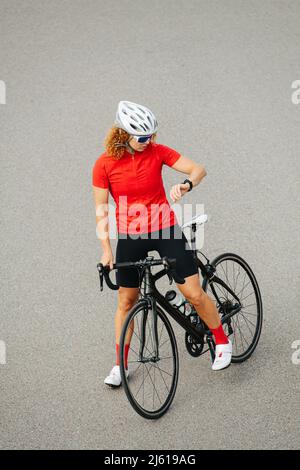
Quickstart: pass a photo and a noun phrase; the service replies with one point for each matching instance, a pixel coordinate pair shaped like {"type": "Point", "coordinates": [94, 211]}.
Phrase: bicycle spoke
{"type": "Point", "coordinates": [251, 293]}
{"type": "Point", "coordinates": [241, 334]}
{"type": "Point", "coordinates": [243, 288]}
{"type": "Point", "coordinates": [237, 278]}
{"type": "Point", "coordinates": [163, 325]}
{"type": "Point", "coordinates": [131, 349]}
{"type": "Point", "coordinates": [243, 284]}
{"type": "Point", "coordinates": [139, 341]}
{"type": "Point", "coordinates": [164, 343]}
{"type": "Point", "coordinates": [163, 379]}
{"type": "Point", "coordinates": [225, 294]}
{"type": "Point", "coordinates": [249, 313]}
{"type": "Point", "coordinates": [155, 365]}
{"type": "Point", "coordinates": [222, 287]}
{"type": "Point", "coordinates": [149, 335]}
{"type": "Point", "coordinates": [143, 387]}
{"type": "Point", "coordinates": [153, 390]}
{"type": "Point", "coordinates": [153, 385]}
{"type": "Point", "coordinates": [143, 381]}
{"type": "Point", "coordinates": [247, 325]}
{"type": "Point", "coordinates": [247, 319]}
{"type": "Point", "coordinates": [225, 273]}
{"type": "Point", "coordinates": [235, 341]}
{"type": "Point", "coordinates": [136, 370]}
{"type": "Point", "coordinates": [139, 327]}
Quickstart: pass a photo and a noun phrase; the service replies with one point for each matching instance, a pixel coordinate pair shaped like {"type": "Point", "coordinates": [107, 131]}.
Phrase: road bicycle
{"type": "Point", "coordinates": [153, 355]}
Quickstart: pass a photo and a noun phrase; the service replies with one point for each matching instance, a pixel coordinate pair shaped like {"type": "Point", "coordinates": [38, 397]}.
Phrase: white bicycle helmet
{"type": "Point", "coordinates": [135, 119]}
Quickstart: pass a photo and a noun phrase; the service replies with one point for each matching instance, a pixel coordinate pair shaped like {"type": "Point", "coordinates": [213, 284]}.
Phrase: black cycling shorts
{"type": "Point", "coordinates": [170, 242]}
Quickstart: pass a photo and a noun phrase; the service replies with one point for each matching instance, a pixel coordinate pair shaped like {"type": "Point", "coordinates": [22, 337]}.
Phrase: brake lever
{"type": "Point", "coordinates": [170, 277]}
{"type": "Point", "coordinates": [101, 275]}
{"type": "Point", "coordinates": [167, 269]}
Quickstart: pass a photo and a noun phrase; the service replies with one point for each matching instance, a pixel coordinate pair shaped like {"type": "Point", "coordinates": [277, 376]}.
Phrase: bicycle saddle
{"type": "Point", "coordinates": [199, 219]}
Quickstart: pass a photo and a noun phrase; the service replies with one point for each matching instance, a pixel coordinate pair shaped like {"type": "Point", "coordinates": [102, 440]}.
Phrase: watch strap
{"type": "Point", "coordinates": [190, 183]}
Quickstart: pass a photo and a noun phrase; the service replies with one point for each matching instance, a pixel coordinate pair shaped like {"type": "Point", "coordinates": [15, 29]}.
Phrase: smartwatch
{"type": "Point", "coordinates": [190, 183]}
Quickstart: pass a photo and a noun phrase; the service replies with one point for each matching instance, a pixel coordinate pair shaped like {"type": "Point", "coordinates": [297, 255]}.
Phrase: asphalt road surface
{"type": "Point", "coordinates": [219, 77]}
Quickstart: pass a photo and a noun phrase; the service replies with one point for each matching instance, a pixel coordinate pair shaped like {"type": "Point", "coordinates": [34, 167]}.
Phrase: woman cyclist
{"type": "Point", "coordinates": [130, 169]}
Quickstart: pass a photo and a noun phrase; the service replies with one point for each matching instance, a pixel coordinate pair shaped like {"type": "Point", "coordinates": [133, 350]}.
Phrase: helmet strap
{"type": "Point", "coordinates": [129, 148]}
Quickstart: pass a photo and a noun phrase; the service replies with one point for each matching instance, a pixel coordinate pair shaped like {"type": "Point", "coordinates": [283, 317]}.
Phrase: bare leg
{"type": "Point", "coordinates": [203, 304]}
{"type": "Point", "coordinates": [127, 299]}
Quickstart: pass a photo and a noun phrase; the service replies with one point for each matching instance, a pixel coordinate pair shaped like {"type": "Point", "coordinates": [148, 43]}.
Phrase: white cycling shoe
{"type": "Point", "coordinates": [114, 378]}
{"type": "Point", "coordinates": [223, 356]}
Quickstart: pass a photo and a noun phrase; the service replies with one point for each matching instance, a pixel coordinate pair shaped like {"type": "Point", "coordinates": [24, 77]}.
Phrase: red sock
{"type": "Point", "coordinates": [126, 355]}
{"type": "Point", "coordinates": [220, 337]}
{"type": "Point", "coordinates": [118, 357]}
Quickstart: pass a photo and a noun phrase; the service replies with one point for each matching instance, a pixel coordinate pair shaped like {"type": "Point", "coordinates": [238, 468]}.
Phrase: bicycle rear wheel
{"type": "Point", "coordinates": [244, 328]}
{"type": "Point", "coordinates": [152, 381]}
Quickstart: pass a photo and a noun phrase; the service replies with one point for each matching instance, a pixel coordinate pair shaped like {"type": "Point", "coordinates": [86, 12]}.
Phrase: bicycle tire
{"type": "Point", "coordinates": [149, 414]}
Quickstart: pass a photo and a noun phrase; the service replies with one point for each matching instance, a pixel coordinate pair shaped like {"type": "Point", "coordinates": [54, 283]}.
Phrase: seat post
{"type": "Point", "coordinates": [193, 239]}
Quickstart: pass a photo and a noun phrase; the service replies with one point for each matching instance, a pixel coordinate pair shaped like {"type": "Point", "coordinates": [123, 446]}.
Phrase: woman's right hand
{"type": "Point", "coordinates": [107, 259]}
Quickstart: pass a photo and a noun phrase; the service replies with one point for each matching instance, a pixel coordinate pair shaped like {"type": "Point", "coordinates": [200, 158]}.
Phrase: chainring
{"type": "Point", "coordinates": [193, 345]}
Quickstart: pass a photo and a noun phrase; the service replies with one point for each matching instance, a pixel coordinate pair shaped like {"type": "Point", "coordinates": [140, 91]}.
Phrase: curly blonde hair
{"type": "Point", "coordinates": [115, 142]}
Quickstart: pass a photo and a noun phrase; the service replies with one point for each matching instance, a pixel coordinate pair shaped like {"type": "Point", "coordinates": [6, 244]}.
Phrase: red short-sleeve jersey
{"type": "Point", "coordinates": [135, 183]}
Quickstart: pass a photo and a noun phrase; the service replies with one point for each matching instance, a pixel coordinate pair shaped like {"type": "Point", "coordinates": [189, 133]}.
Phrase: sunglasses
{"type": "Point", "coordinates": [142, 139]}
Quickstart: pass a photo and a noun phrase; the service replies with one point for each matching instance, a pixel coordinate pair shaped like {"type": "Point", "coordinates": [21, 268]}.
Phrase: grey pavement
{"type": "Point", "coordinates": [219, 76]}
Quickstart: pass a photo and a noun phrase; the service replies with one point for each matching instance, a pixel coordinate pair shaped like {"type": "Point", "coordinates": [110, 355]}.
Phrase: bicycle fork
{"type": "Point", "coordinates": [152, 331]}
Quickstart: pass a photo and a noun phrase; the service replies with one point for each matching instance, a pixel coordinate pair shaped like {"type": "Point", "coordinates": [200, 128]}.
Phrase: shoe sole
{"type": "Point", "coordinates": [223, 368]}
{"type": "Point", "coordinates": [112, 386]}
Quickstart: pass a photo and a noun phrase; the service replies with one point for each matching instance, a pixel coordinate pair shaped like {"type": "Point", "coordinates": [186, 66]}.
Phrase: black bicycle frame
{"type": "Point", "coordinates": [152, 296]}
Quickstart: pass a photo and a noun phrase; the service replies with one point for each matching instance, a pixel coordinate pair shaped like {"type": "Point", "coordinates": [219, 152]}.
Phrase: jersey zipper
{"type": "Point", "coordinates": [134, 168]}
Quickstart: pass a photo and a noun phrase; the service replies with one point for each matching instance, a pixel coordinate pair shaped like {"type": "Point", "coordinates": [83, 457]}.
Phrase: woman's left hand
{"type": "Point", "coordinates": [178, 190]}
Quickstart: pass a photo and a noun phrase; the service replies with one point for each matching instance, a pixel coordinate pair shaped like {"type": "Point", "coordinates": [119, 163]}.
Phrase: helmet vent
{"type": "Point", "coordinates": [145, 127]}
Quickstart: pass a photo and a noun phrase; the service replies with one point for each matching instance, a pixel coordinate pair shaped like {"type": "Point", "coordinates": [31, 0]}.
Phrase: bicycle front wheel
{"type": "Point", "coordinates": [152, 381]}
